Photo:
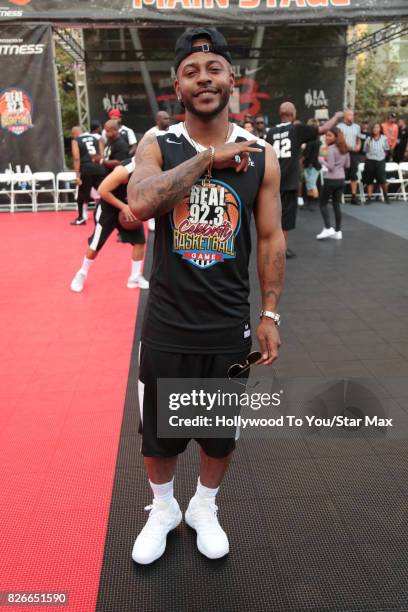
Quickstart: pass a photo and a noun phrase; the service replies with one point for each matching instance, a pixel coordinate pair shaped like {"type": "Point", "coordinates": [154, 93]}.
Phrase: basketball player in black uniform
{"type": "Point", "coordinates": [287, 138]}
{"type": "Point", "coordinates": [86, 148]}
{"type": "Point", "coordinates": [202, 180]}
{"type": "Point", "coordinates": [114, 199]}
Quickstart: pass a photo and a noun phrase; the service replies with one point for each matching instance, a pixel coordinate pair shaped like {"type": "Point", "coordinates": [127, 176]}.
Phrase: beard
{"type": "Point", "coordinates": [189, 105]}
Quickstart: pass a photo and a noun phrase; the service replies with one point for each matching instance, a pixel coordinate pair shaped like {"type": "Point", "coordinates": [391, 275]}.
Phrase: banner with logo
{"type": "Point", "coordinates": [180, 12]}
{"type": "Point", "coordinates": [29, 115]}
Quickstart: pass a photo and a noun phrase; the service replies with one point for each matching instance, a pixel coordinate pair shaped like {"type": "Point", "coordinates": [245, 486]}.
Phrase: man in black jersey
{"type": "Point", "coordinates": [113, 200]}
{"type": "Point", "coordinates": [202, 180]}
{"type": "Point", "coordinates": [116, 149]}
{"type": "Point", "coordinates": [287, 138]}
{"type": "Point", "coordinates": [86, 148]}
{"type": "Point", "coordinates": [127, 133]}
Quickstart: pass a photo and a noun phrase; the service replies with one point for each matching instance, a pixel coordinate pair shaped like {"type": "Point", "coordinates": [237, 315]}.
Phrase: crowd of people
{"type": "Point", "coordinates": [337, 145]}
{"type": "Point", "coordinates": [104, 161]}
{"type": "Point", "coordinates": [339, 152]}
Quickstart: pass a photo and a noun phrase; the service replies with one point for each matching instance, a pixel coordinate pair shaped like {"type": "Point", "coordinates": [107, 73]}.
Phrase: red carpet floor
{"type": "Point", "coordinates": [64, 361]}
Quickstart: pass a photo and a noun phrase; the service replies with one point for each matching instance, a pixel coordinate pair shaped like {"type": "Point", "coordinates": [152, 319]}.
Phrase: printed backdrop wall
{"type": "Point", "coordinates": [29, 114]}
{"type": "Point", "coordinates": [305, 65]}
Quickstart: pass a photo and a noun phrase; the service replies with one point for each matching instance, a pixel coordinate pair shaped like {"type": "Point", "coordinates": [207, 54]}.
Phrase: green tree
{"type": "Point", "coordinates": [375, 75]}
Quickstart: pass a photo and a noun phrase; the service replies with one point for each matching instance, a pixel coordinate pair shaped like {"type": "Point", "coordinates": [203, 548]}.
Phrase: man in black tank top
{"type": "Point", "coordinates": [287, 139]}
{"type": "Point", "coordinates": [87, 149]}
{"type": "Point", "coordinates": [202, 180]}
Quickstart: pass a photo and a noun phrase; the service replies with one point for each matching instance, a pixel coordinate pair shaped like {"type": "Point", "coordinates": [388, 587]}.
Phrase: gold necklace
{"type": "Point", "coordinates": [197, 145]}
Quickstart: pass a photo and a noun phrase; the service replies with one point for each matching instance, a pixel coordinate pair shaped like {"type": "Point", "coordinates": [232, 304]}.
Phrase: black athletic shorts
{"type": "Point", "coordinates": [351, 173]}
{"type": "Point", "coordinates": [106, 221]}
{"type": "Point", "coordinates": [156, 364]}
{"type": "Point", "coordinates": [289, 209]}
{"type": "Point", "coordinates": [374, 171]}
{"type": "Point", "coordinates": [87, 182]}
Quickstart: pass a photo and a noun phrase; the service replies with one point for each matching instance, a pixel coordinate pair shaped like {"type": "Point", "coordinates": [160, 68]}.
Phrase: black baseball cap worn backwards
{"type": "Point", "coordinates": [185, 44]}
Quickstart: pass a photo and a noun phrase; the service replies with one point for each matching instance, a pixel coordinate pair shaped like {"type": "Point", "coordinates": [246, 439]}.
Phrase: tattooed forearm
{"type": "Point", "coordinates": [158, 193]}
{"type": "Point", "coordinates": [161, 193]}
{"type": "Point", "coordinates": [271, 270]}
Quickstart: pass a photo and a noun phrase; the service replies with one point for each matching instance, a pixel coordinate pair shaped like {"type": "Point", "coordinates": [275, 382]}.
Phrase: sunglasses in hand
{"type": "Point", "coordinates": [236, 369]}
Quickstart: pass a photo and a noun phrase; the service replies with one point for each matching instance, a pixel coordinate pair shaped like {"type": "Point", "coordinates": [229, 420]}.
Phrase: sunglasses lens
{"type": "Point", "coordinates": [235, 370]}
{"type": "Point", "coordinates": [254, 357]}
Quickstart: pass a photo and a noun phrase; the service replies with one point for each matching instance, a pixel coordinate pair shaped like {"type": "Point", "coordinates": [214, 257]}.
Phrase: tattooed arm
{"type": "Point", "coordinates": [152, 192]}
{"type": "Point", "coordinates": [271, 250]}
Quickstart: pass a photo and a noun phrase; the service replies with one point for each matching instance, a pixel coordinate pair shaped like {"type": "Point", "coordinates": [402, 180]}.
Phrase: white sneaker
{"type": "Point", "coordinates": [201, 515]}
{"type": "Point", "coordinates": [151, 224]}
{"type": "Point", "coordinates": [325, 233]}
{"type": "Point", "coordinates": [300, 201]}
{"type": "Point", "coordinates": [337, 235]}
{"type": "Point", "coordinates": [78, 282]}
{"type": "Point", "coordinates": [137, 282]}
{"type": "Point", "coordinates": [150, 544]}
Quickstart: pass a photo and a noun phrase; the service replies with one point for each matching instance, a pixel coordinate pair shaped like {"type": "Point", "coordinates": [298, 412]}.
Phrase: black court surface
{"type": "Point", "coordinates": [314, 524]}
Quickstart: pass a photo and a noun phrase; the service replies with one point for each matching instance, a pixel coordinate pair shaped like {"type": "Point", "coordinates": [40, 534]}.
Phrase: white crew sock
{"type": "Point", "coordinates": [203, 491]}
{"type": "Point", "coordinates": [163, 492]}
{"type": "Point", "coordinates": [136, 268]}
{"type": "Point", "coordinates": [86, 264]}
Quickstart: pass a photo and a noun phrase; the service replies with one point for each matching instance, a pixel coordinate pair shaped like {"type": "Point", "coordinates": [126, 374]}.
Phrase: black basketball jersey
{"type": "Point", "coordinates": [199, 285]}
{"type": "Point", "coordinates": [88, 146]}
{"type": "Point", "coordinates": [117, 149]}
{"type": "Point", "coordinates": [287, 140]}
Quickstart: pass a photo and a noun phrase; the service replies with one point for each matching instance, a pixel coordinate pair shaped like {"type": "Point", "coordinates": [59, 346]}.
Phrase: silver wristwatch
{"type": "Point", "coordinates": [271, 315]}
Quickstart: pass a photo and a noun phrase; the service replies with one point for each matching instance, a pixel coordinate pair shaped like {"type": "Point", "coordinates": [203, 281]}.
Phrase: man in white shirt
{"type": "Point", "coordinates": [352, 134]}
{"type": "Point", "coordinates": [162, 124]}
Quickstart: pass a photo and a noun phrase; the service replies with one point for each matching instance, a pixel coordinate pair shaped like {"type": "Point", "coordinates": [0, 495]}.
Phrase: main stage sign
{"type": "Point", "coordinates": [180, 12]}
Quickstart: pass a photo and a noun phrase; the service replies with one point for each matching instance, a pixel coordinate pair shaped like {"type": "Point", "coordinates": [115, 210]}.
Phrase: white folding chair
{"type": "Point", "coordinates": [44, 182]}
{"type": "Point", "coordinates": [66, 183]}
{"type": "Point", "coordinates": [22, 184]}
{"type": "Point", "coordinates": [394, 168]}
{"type": "Point", "coordinates": [360, 183]}
{"type": "Point", "coordinates": [404, 175]}
{"type": "Point", "coordinates": [6, 190]}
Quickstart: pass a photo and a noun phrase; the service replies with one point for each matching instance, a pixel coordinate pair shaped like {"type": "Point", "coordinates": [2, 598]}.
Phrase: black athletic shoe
{"type": "Point", "coordinates": [354, 201]}
{"type": "Point", "coordinates": [290, 254]}
{"type": "Point", "coordinates": [386, 200]}
{"type": "Point", "coordinates": [78, 221]}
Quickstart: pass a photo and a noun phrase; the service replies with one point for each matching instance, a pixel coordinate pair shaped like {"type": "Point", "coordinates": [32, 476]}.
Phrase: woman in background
{"type": "Point", "coordinates": [338, 159]}
{"type": "Point", "coordinates": [312, 165]}
{"type": "Point", "coordinates": [376, 148]}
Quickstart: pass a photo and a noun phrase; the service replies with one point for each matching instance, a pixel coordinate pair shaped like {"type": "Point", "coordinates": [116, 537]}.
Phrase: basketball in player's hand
{"type": "Point", "coordinates": [129, 225]}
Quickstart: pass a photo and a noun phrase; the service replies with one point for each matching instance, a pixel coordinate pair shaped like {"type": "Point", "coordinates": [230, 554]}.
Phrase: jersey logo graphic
{"type": "Point", "coordinates": [206, 223]}
{"type": "Point", "coordinates": [16, 111]}
{"type": "Point", "coordinates": [172, 141]}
